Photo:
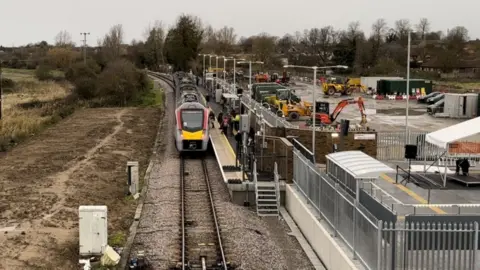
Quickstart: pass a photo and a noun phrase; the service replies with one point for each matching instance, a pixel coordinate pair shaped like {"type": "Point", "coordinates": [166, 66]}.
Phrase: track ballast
{"type": "Point", "coordinates": [201, 239]}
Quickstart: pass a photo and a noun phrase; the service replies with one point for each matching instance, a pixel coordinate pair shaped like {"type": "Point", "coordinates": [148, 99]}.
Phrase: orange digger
{"type": "Point", "coordinates": [324, 118]}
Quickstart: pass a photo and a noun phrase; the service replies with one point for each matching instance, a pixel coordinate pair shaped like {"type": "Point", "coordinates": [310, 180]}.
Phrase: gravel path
{"type": "Point", "coordinates": [158, 230]}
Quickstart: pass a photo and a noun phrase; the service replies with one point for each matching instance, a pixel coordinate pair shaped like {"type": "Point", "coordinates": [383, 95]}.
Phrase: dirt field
{"type": "Point", "coordinates": [80, 160]}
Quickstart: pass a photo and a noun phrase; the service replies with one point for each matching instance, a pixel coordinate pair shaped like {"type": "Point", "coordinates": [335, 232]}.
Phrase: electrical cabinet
{"type": "Point", "coordinates": [93, 225]}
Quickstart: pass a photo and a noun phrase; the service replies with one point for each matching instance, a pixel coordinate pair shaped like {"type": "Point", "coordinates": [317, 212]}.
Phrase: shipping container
{"type": "Point", "coordinates": [370, 83]}
{"type": "Point", "coordinates": [93, 235]}
{"type": "Point", "coordinates": [460, 105]}
{"type": "Point", "coordinates": [398, 87]}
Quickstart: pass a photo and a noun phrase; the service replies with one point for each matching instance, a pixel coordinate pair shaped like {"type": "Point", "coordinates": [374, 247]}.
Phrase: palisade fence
{"type": "Point", "coordinates": [271, 118]}
{"type": "Point", "coordinates": [380, 245]}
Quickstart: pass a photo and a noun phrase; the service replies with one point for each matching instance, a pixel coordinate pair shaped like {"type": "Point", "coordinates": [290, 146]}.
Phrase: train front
{"type": "Point", "coordinates": [192, 129]}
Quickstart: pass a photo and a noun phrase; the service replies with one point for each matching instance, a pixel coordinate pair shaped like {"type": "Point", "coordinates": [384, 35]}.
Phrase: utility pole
{"type": "Point", "coordinates": [85, 46]}
{"type": "Point", "coordinates": [1, 91]}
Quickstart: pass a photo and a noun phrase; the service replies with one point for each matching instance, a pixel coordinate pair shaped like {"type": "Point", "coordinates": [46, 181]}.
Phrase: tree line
{"type": "Point", "coordinates": [382, 52]}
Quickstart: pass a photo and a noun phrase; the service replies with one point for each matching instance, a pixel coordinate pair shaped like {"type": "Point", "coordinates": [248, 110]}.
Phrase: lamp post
{"type": "Point", "coordinates": [210, 60]}
{"type": "Point", "coordinates": [314, 68]}
{"type": "Point", "coordinates": [203, 70]}
{"type": "Point", "coordinates": [250, 69]}
{"type": "Point", "coordinates": [234, 74]}
{"type": "Point", "coordinates": [408, 87]}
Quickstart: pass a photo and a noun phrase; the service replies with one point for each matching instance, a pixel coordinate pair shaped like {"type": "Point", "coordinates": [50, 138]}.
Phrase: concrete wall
{"type": "Point", "coordinates": [324, 245]}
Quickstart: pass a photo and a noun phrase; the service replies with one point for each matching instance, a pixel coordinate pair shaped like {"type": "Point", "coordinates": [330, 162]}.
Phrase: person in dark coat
{"type": "Point", "coordinates": [220, 119]}
{"type": "Point", "coordinates": [211, 117]}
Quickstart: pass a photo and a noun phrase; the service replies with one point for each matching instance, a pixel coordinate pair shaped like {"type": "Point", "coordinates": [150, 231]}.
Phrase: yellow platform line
{"type": "Point", "coordinates": [411, 193]}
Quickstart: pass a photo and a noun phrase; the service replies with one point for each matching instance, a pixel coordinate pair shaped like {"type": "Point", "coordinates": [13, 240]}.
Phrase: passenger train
{"type": "Point", "coordinates": [191, 116]}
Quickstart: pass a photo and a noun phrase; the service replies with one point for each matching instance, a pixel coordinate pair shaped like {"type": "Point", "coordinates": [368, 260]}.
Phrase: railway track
{"type": "Point", "coordinates": [162, 77]}
{"type": "Point", "coordinates": [201, 239]}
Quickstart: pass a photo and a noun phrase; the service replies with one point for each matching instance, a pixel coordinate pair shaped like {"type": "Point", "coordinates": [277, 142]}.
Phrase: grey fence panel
{"type": "Point", "coordinates": [350, 222]}
{"type": "Point", "coordinates": [380, 245]}
{"type": "Point", "coordinates": [422, 235]}
{"type": "Point", "coordinates": [391, 146]}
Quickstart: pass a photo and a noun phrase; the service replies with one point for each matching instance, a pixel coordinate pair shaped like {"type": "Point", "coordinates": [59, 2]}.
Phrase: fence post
{"type": "Point", "coordinates": [379, 244]}
{"type": "Point", "coordinates": [475, 245]}
{"type": "Point", "coordinates": [354, 231]}
{"type": "Point", "coordinates": [336, 212]}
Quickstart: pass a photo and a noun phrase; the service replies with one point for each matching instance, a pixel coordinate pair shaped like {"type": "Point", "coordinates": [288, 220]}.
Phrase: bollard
{"type": "Point", "coordinates": [132, 178]}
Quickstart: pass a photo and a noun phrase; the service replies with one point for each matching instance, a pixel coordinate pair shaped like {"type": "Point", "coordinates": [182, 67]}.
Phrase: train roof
{"type": "Point", "coordinates": [190, 105]}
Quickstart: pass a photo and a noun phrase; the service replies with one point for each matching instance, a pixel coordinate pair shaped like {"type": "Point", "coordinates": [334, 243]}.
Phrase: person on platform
{"type": "Point", "coordinates": [225, 125]}
{"type": "Point", "coordinates": [211, 118]}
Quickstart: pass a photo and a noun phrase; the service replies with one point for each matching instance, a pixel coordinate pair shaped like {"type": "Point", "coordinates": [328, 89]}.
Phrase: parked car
{"type": "Point", "coordinates": [436, 98]}
{"type": "Point", "coordinates": [425, 98]}
{"type": "Point", "coordinates": [436, 108]}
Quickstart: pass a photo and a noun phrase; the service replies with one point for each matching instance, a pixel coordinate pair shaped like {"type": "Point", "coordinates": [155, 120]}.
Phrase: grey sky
{"type": "Point", "coordinates": [22, 23]}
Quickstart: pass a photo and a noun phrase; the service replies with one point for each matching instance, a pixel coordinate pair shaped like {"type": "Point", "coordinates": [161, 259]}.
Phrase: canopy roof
{"type": "Point", "coordinates": [358, 164]}
{"type": "Point", "coordinates": [443, 137]}
{"type": "Point", "coordinates": [228, 95]}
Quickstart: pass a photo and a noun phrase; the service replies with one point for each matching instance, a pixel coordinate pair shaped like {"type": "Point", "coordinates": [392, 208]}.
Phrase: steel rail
{"type": "Point", "coordinates": [214, 214]}
{"type": "Point", "coordinates": [182, 199]}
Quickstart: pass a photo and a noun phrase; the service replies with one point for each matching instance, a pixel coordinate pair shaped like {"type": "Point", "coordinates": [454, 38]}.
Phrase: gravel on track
{"type": "Point", "coordinates": [252, 242]}
{"type": "Point", "coordinates": [200, 231]}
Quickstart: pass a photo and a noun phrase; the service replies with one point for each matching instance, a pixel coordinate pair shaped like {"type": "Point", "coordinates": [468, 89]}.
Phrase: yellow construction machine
{"type": "Point", "coordinates": [284, 103]}
{"type": "Point", "coordinates": [344, 86]}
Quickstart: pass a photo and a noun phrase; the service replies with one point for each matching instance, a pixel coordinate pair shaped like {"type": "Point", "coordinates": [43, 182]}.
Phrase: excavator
{"type": "Point", "coordinates": [323, 118]}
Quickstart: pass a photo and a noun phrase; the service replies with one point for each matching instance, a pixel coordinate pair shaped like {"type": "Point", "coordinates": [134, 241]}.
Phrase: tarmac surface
{"type": "Point", "coordinates": [382, 115]}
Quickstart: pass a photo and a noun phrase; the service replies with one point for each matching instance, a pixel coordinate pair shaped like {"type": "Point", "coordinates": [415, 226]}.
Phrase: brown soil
{"type": "Point", "coordinates": [79, 161]}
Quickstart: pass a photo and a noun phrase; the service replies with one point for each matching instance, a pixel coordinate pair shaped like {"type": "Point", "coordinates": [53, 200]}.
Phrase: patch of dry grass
{"type": "Point", "coordinates": [461, 85]}
{"type": "Point", "coordinates": [30, 106]}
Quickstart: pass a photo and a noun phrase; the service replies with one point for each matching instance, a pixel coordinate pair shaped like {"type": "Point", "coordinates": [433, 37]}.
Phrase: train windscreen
{"type": "Point", "coordinates": [192, 120]}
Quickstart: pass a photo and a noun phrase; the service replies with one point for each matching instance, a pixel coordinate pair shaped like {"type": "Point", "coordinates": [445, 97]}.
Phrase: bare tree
{"type": "Point", "coordinates": [285, 44]}
{"type": "Point", "coordinates": [155, 25]}
{"type": "Point", "coordinates": [154, 46]}
{"type": "Point", "coordinates": [63, 39]}
{"type": "Point", "coordinates": [112, 43]}
{"type": "Point", "coordinates": [458, 34]}
{"type": "Point", "coordinates": [402, 27]}
{"type": "Point", "coordinates": [263, 47]}
{"type": "Point", "coordinates": [320, 42]}
{"type": "Point", "coordinates": [379, 30]}
{"type": "Point", "coordinates": [423, 27]}
{"type": "Point", "coordinates": [226, 38]}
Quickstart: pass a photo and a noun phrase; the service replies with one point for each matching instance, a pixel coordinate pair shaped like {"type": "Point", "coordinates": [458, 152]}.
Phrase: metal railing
{"type": "Point", "coordinates": [271, 118]}
{"type": "Point", "coordinates": [270, 151]}
{"type": "Point", "coordinates": [381, 245]}
{"type": "Point", "coordinates": [276, 179]}
{"type": "Point", "coordinates": [391, 146]}
{"type": "Point", "coordinates": [350, 222]}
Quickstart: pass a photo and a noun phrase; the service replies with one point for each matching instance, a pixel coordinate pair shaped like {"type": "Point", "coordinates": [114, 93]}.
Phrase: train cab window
{"type": "Point", "coordinates": [192, 120]}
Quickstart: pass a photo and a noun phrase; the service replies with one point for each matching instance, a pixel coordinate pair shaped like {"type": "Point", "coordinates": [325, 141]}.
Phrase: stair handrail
{"type": "Point", "coordinates": [254, 172]}
{"type": "Point", "coordinates": [276, 178]}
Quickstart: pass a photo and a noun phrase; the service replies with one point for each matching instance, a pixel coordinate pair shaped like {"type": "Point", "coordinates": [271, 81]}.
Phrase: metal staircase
{"type": "Point", "coordinates": [267, 194]}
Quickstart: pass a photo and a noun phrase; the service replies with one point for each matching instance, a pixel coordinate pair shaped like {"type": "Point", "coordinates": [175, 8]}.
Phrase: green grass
{"type": "Point", "coordinates": [117, 239]}
{"type": "Point", "coordinates": [153, 98]}
{"type": "Point", "coordinates": [18, 74]}
{"type": "Point", "coordinates": [26, 74]}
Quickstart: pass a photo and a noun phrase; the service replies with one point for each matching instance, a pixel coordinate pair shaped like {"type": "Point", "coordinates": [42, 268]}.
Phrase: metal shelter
{"type": "Point", "coordinates": [349, 167]}
{"type": "Point", "coordinates": [443, 138]}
